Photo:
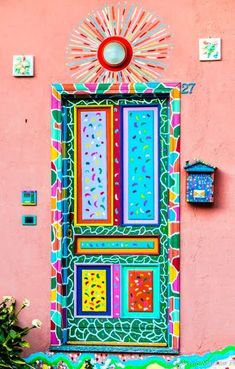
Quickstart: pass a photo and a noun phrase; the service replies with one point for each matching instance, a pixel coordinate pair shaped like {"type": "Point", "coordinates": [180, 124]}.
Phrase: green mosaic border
{"type": "Point", "coordinates": [58, 302]}
{"type": "Point", "coordinates": [109, 329]}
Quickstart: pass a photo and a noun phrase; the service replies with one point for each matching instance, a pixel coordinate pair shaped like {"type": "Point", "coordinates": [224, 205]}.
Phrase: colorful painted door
{"type": "Point", "coordinates": [116, 213]}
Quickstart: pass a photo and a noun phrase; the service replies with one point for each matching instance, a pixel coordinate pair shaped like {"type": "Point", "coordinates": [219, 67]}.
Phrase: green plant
{"type": "Point", "coordinates": [88, 364]}
{"type": "Point", "coordinates": [12, 335]}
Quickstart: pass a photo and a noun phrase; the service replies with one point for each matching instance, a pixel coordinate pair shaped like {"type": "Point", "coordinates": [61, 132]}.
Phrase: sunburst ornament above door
{"type": "Point", "coordinates": [118, 43]}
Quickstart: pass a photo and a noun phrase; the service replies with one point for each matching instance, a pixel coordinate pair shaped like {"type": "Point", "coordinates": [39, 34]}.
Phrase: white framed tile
{"type": "Point", "coordinates": [209, 49]}
{"type": "Point", "coordinates": [23, 66]}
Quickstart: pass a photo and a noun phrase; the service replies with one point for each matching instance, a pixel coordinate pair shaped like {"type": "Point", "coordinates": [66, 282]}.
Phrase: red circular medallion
{"type": "Point", "coordinates": [106, 53]}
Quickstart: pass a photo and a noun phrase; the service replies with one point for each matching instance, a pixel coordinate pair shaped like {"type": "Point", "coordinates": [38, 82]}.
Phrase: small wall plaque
{"type": "Point", "coordinates": [23, 66]}
{"type": "Point", "coordinates": [29, 198]}
{"type": "Point", "coordinates": [209, 49]}
{"type": "Point", "coordinates": [29, 220]}
{"type": "Point", "coordinates": [200, 182]}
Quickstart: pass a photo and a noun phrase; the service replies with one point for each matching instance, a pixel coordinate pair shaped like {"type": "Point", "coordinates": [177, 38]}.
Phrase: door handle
{"type": "Point", "coordinates": [69, 232]}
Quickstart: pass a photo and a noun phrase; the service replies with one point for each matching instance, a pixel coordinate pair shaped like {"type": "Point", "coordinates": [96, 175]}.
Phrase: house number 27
{"type": "Point", "coordinates": [187, 88]}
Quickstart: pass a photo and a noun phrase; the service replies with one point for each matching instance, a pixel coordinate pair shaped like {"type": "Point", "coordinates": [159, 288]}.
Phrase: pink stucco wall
{"type": "Point", "coordinates": [42, 28]}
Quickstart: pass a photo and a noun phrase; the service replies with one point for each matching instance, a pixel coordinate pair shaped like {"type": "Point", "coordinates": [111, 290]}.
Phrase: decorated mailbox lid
{"type": "Point", "coordinates": [199, 166]}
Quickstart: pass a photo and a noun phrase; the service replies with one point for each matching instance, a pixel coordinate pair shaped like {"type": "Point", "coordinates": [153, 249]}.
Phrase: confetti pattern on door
{"type": "Point", "coordinates": [94, 290]}
{"type": "Point", "coordinates": [140, 290]}
{"type": "Point", "coordinates": [92, 295]}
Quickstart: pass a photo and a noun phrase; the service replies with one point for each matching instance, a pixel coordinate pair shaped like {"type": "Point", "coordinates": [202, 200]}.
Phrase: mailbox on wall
{"type": "Point", "coordinates": [200, 182]}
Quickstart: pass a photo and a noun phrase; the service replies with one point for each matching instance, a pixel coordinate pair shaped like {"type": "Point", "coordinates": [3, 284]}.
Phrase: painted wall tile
{"type": "Point", "coordinates": [23, 66]}
{"type": "Point", "coordinates": [209, 49]}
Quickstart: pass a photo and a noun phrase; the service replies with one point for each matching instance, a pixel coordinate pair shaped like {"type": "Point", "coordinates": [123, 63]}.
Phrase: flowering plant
{"type": "Point", "coordinates": [12, 335]}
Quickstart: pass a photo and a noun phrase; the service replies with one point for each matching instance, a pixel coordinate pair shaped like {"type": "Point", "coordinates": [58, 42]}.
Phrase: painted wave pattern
{"type": "Point", "coordinates": [224, 359]}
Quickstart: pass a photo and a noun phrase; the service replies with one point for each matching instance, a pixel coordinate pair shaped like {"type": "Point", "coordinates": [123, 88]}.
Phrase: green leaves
{"type": "Point", "coordinates": [88, 364]}
{"type": "Point", "coordinates": [11, 337]}
{"type": "Point", "coordinates": [25, 344]}
{"type": "Point", "coordinates": [5, 365]}
{"type": "Point", "coordinates": [12, 334]}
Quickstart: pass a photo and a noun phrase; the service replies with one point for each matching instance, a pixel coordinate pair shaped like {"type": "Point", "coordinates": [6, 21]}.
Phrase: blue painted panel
{"type": "Point", "coordinates": [117, 244]}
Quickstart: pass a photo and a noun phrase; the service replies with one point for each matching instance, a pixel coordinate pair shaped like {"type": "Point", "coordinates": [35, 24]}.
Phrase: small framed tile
{"type": "Point", "coordinates": [23, 66]}
{"type": "Point", "coordinates": [29, 220]}
{"type": "Point", "coordinates": [209, 49]}
{"type": "Point", "coordinates": [29, 198]}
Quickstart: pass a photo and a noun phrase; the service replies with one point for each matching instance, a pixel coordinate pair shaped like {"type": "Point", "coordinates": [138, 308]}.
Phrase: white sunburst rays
{"type": "Point", "coordinates": [149, 48]}
{"type": "Point", "coordinates": [147, 35]}
{"type": "Point", "coordinates": [82, 52]}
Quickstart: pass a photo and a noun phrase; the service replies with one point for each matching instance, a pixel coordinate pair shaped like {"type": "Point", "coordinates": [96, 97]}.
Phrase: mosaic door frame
{"type": "Point", "coordinates": [58, 301]}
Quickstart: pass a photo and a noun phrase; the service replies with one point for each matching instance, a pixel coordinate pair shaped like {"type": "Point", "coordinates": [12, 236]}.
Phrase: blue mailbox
{"type": "Point", "coordinates": [200, 182]}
